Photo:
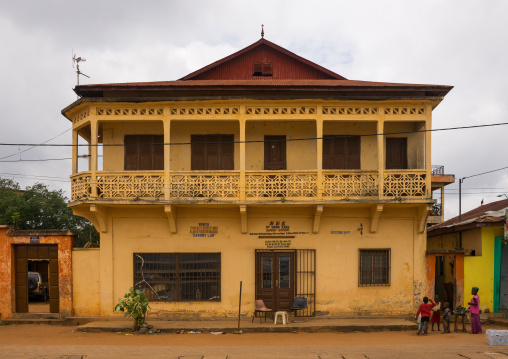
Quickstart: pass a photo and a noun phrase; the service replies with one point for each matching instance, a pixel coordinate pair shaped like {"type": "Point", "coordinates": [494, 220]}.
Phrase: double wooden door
{"type": "Point", "coordinates": [24, 253]}
{"type": "Point", "coordinates": [275, 278]}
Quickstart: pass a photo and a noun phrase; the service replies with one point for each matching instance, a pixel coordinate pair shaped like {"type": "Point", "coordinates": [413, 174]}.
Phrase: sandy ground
{"type": "Point", "coordinates": [29, 334]}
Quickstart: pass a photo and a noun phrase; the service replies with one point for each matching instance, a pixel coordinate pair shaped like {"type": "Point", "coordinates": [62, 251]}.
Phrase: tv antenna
{"type": "Point", "coordinates": [77, 60]}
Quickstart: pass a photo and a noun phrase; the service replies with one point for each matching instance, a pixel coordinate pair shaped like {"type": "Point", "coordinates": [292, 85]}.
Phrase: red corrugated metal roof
{"type": "Point", "coordinates": [201, 73]}
{"type": "Point", "coordinates": [492, 213]}
{"type": "Point", "coordinates": [266, 82]}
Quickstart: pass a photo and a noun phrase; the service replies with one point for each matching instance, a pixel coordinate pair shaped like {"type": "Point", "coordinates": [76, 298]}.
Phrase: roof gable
{"type": "Point", "coordinates": [284, 65]}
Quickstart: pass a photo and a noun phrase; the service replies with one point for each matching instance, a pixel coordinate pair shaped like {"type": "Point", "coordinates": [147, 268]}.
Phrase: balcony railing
{"type": "Point", "coordinates": [259, 185]}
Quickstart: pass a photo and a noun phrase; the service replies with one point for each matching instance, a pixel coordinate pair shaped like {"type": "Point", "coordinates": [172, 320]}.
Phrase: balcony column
{"type": "Point", "coordinates": [428, 164]}
{"type": "Point", "coordinates": [75, 152]}
{"type": "Point", "coordinates": [319, 151]}
{"type": "Point", "coordinates": [93, 155]}
{"type": "Point", "coordinates": [242, 155]}
{"type": "Point", "coordinates": [167, 158]}
{"type": "Point", "coordinates": [380, 157]}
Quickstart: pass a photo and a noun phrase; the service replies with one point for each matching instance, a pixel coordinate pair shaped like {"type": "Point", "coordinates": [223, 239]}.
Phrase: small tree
{"type": "Point", "coordinates": [135, 305]}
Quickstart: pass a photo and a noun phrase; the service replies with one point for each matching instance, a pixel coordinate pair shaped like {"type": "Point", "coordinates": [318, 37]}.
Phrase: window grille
{"type": "Point", "coordinates": [374, 267]}
{"type": "Point", "coordinates": [178, 276]}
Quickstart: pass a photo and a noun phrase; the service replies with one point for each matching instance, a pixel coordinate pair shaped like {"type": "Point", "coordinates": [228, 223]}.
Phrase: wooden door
{"type": "Point", "coordinates": [275, 152]}
{"type": "Point", "coordinates": [21, 278]}
{"type": "Point", "coordinates": [503, 285]}
{"type": "Point", "coordinates": [275, 279]}
{"type": "Point", "coordinates": [24, 253]}
{"type": "Point", "coordinates": [396, 153]}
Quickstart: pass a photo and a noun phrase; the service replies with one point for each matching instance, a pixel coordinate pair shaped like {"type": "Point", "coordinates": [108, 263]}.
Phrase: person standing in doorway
{"type": "Point", "coordinates": [436, 313]}
{"type": "Point", "coordinates": [474, 309]}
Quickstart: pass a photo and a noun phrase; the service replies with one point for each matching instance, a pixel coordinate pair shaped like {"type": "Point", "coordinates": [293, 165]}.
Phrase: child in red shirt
{"type": "Point", "coordinates": [424, 310]}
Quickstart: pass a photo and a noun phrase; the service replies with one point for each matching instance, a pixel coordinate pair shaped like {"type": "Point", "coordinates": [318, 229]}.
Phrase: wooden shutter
{"type": "Point", "coordinates": [267, 69]}
{"type": "Point", "coordinates": [212, 152]}
{"type": "Point", "coordinates": [131, 159]}
{"type": "Point", "coordinates": [158, 153]}
{"type": "Point", "coordinates": [327, 152]}
{"type": "Point", "coordinates": [275, 152]}
{"type": "Point", "coordinates": [227, 153]}
{"type": "Point", "coordinates": [144, 152]}
{"type": "Point", "coordinates": [257, 69]}
{"type": "Point", "coordinates": [198, 148]}
{"type": "Point", "coordinates": [396, 153]}
{"type": "Point", "coordinates": [353, 152]}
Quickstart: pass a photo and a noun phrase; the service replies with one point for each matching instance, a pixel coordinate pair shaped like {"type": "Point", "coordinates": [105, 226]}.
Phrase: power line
{"type": "Point", "coordinates": [28, 149]}
{"type": "Point", "coordinates": [254, 141]}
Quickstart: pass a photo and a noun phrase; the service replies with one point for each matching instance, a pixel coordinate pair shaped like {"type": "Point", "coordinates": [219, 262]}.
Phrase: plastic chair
{"type": "Point", "coordinates": [299, 303]}
{"type": "Point", "coordinates": [259, 309]}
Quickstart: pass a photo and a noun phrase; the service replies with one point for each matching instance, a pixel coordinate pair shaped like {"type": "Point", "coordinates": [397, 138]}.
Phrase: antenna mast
{"type": "Point", "coordinates": [77, 60]}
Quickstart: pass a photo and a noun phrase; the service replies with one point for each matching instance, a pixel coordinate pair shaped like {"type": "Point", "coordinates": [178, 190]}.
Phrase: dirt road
{"type": "Point", "coordinates": [47, 341]}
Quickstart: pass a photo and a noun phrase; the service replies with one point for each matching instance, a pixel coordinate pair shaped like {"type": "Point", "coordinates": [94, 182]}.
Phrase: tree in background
{"type": "Point", "coordinates": [37, 207]}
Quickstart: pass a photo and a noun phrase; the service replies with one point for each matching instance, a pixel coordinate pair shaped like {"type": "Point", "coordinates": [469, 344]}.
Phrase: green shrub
{"type": "Point", "coordinates": [135, 305]}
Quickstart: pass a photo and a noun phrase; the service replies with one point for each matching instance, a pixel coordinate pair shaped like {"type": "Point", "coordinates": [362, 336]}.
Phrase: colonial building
{"type": "Point", "coordinates": [262, 168]}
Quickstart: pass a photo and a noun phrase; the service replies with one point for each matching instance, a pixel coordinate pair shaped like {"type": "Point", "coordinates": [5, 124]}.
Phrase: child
{"type": "Point", "coordinates": [436, 314]}
{"type": "Point", "coordinates": [446, 317]}
{"type": "Point", "coordinates": [424, 310]}
{"type": "Point", "coordinates": [474, 308]}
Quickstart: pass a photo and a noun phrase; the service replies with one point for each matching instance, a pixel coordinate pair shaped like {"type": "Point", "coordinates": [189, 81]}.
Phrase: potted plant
{"type": "Point", "coordinates": [134, 304]}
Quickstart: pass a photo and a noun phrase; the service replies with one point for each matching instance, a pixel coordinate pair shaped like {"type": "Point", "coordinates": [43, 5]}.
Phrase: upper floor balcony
{"type": "Point", "coordinates": [251, 186]}
{"type": "Point", "coordinates": [240, 152]}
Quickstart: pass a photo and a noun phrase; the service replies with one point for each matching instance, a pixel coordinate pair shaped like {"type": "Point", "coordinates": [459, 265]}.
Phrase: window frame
{"type": "Point", "coordinates": [205, 146]}
{"type": "Point", "coordinates": [372, 267]}
{"type": "Point", "coordinates": [170, 269]}
{"type": "Point", "coordinates": [138, 146]}
{"type": "Point", "coordinates": [352, 160]}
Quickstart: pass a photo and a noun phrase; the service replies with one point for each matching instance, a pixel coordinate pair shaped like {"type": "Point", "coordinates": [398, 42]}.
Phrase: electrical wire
{"type": "Point", "coordinates": [28, 149]}
{"type": "Point", "coordinates": [252, 141]}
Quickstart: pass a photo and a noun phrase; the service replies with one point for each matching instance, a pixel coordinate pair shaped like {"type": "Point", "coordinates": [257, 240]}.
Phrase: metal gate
{"type": "Point", "coordinates": [302, 276]}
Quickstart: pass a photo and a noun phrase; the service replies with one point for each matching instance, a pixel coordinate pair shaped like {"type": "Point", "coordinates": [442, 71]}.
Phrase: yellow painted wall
{"type": "Point", "coordinates": [85, 281]}
{"type": "Point", "coordinates": [479, 270]}
{"type": "Point", "coordinates": [337, 258]}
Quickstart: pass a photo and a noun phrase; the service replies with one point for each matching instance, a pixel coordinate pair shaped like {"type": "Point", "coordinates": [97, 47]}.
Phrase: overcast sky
{"type": "Point", "coordinates": [461, 43]}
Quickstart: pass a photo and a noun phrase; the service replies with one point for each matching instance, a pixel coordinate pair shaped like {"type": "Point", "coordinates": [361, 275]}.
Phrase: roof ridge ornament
{"type": "Point", "coordinates": [262, 31]}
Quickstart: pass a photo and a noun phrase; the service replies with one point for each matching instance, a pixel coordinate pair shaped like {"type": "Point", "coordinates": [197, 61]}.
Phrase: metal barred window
{"type": "Point", "coordinates": [374, 267]}
{"type": "Point", "coordinates": [178, 276]}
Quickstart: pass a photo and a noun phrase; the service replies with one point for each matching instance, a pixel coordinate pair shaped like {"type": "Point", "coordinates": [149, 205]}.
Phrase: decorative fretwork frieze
{"type": "Point", "coordinates": [345, 185]}
{"type": "Point", "coordinates": [204, 185]}
{"type": "Point", "coordinates": [130, 186]}
{"type": "Point", "coordinates": [204, 111]}
{"type": "Point", "coordinates": [80, 186]}
{"type": "Point", "coordinates": [271, 185]}
{"type": "Point", "coordinates": [405, 184]}
{"type": "Point", "coordinates": [80, 116]}
{"type": "Point", "coordinates": [129, 111]}
{"type": "Point", "coordinates": [297, 110]}
{"type": "Point", "coordinates": [350, 110]}
{"type": "Point", "coordinates": [404, 111]}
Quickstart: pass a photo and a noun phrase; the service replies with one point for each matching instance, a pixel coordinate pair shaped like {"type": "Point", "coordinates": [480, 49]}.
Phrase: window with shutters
{"type": "Point", "coordinates": [396, 153]}
{"type": "Point", "coordinates": [374, 267]}
{"type": "Point", "coordinates": [212, 152]}
{"type": "Point", "coordinates": [341, 152]}
{"type": "Point", "coordinates": [144, 152]}
{"type": "Point", "coordinates": [262, 69]}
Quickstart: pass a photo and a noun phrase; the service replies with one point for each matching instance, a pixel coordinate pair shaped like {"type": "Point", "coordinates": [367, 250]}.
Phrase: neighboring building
{"type": "Point", "coordinates": [262, 168]}
{"type": "Point", "coordinates": [471, 252]}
